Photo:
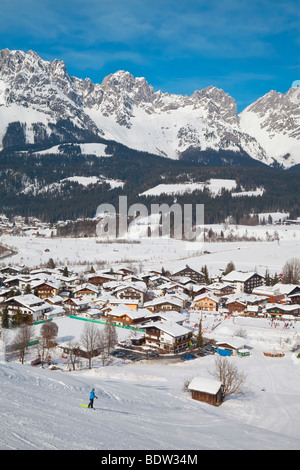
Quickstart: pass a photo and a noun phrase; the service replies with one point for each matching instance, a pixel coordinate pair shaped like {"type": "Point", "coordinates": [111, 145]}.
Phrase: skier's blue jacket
{"type": "Point", "coordinates": [92, 395]}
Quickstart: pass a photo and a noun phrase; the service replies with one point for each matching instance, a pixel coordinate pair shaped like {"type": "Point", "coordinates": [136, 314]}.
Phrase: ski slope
{"type": "Point", "coordinates": [143, 406]}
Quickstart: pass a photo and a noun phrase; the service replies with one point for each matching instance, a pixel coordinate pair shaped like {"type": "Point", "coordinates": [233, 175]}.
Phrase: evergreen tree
{"type": "Point", "coordinates": [51, 264]}
{"type": "Point", "coordinates": [230, 267]}
{"type": "Point", "coordinates": [199, 336]}
{"type": "Point", "coordinates": [5, 318]}
{"type": "Point", "coordinates": [275, 279]}
{"type": "Point", "coordinates": [27, 289]}
{"type": "Point", "coordinates": [267, 278]}
{"type": "Point", "coordinates": [66, 272]}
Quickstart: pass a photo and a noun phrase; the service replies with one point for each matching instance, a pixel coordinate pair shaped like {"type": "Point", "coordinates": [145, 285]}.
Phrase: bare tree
{"type": "Point", "coordinates": [228, 374]}
{"type": "Point", "coordinates": [91, 341]}
{"type": "Point", "coordinates": [109, 339]}
{"type": "Point", "coordinates": [111, 336]}
{"type": "Point", "coordinates": [291, 271]}
{"type": "Point", "coordinates": [241, 333]}
{"type": "Point", "coordinates": [49, 332]}
{"type": "Point", "coordinates": [74, 354]}
{"type": "Point", "coordinates": [22, 339]}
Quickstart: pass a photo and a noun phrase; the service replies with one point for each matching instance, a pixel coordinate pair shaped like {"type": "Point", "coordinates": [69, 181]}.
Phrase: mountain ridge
{"type": "Point", "coordinates": [40, 103]}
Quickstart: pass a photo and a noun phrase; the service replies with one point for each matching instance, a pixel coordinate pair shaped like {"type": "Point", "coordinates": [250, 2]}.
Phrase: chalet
{"type": "Point", "coordinates": [219, 289]}
{"type": "Point", "coordinates": [294, 298]}
{"type": "Point", "coordinates": [4, 294]}
{"type": "Point", "coordinates": [46, 289]}
{"type": "Point", "coordinates": [113, 302]}
{"type": "Point", "coordinates": [94, 313]}
{"type": "Point", "coordinates": [191, 273]}
{"type": "Point", "coordinates": [98, 279]}
{"type": "Point", "coordinates": [27, 305]}
{"type": "Point", "coordinates": [288, 289]}
{"type": "Point", "coordinates": [237, 303]}
{"type": "Point", "coordinates": [87, 290]}
{"type": "Point", "coordinates": [122, 315]}
{"type": "Point", "coordinates": [16, 281]}
{"type": "Point", "coordinates": [171, 287]}
{"type": "Point", "coordinates": [167, 335]}
{"type": "Point", "coordinates": [118, 274]}
{"type": "Point", "coordinates": [244, 282]}
{"type": "Point", "coordinates": [130, 291]}
{"type": "Point", "coordinates": [207, 302]}
{"type": "Point", "coordinates": [70, 282]}
{"type": "Point", "coordinates": [235, 306]}
{"type": "Point", "coordinates": [185, 282]}
{"type": "Point", "coordinates": [125, 271]}
{"type": "Point", "coordinates": [284, 311]}
{"type": "Point", "coordinates": [76, 305]}
{"type": "Point", "coordinates": [155, 280]}
{"type": "Point", "coordinates": [199, 289]}
{"type": "Point", "coordinates": [184, 298]}
{"type": "Point", "coordinates": [163, 303]}
{"type": "Point", "coordinates": [168, 315]}
{"type": "Point", "coordinates": [273, 294]}
{"type": "Point", "coordinates": [132, 278]}
{"type": "Point", "coordinates": [11, 270]}
{"type": "Point", "coordinates": [208, 390]}
{"type": "Point", "coordinates": [55, 300]}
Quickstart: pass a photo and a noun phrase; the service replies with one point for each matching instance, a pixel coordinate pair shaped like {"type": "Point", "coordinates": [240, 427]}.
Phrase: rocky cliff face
{"type": "Point", "coordinates": [41, 103]}
{"type": "Point", "coordinates": [274, 121]}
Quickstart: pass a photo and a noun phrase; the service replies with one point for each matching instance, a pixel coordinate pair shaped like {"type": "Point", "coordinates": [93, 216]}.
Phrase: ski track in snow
{"type": "Point", "coordinates": [43, 412]}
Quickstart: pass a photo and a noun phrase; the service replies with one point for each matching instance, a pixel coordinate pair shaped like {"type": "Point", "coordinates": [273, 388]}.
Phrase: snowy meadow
{"type": "Point", "coordinates": [144, 405]}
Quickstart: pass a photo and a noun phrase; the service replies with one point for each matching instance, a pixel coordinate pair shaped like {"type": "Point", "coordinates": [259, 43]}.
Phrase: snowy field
{"type": "Point", "coordinates": [169, 254]}
{"type": "Point", "coordinates": [143, 405]}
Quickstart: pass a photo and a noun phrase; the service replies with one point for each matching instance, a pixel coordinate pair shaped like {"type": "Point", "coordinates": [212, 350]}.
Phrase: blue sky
{"type": "Point", "coordinates": [247, 48]}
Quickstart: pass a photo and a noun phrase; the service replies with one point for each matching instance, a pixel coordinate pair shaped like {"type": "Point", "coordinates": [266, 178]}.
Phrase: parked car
{"type": "Point", "coordinates": [153, 353]}
{"type": "Point", "coordinates": [188, 357]}
{"type": "Point", "coordinates": [118, 354]}
{"type": "Point", "coordinates": [36, 362]}
{"type": "Point", "coordinates": [200, 354]}
{"type": "Point", "coordinates": [130, 356]}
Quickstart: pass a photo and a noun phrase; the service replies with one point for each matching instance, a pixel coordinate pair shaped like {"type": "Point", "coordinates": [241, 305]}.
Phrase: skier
{"type": "Point", "coordinates": [92, 397]}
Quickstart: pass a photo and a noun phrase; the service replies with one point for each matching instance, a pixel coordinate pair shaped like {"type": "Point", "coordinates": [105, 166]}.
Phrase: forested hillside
{"type": "Point", "coordinates": [31, 184]}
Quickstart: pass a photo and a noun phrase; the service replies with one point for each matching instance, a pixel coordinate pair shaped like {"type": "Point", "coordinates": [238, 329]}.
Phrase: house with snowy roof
{"type": "Point", "coordinates": [27, 305]}
{"type": "Point", "coordinates": [87, 290]}
{"type": "Point", "coordinates": [46, 288]}
{"type": "Point", "coordinates": [77, 305]}
{"type": "Point", "coordinates": [244, 281]}
{"type": "Point", "coordinates": [123, 315]}
{"type": "Point", "coordinates": [207, 302]}
{"type": "Point", "coordinates": [191, 273]}
{"type": "Point", "coordinates": [167, 335]}
{"type": "Point", "coordinates": [163, 303]}
{"type": "Point", "coordinates": [131, 291]}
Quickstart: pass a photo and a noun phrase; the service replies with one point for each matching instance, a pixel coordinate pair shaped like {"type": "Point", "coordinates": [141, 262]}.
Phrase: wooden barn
{"type": "Point", "coordinates": [210, 391]}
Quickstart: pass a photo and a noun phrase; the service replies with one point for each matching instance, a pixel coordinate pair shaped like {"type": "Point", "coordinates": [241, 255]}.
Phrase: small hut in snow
{"type": "Point", "coordinates": [208, 390]}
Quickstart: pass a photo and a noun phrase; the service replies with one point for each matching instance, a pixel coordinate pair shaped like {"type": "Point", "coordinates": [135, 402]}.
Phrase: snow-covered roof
{"type": "Point", "coordinates": [238, 276]}
{"type": "Point", "coordinates": [27, 300]}
{"type": "Point", "coordinates": [235, 343]}
{"type": "Point", "coordinates": [162, 300]}
{"type": "Point", "coordinates": [169, 327]}
{"type": "Point", "coordinates": [206, 295]}
{"type": "Point", "coordinates": [203, 384]}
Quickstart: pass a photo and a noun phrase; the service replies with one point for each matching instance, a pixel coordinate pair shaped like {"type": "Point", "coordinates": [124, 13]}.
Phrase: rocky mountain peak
{"type": "Point", "coordinates": [41, 102]}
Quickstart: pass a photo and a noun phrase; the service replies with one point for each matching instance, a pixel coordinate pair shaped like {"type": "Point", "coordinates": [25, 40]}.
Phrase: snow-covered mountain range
{"type": "Point", "coordinates": [40, 103]}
